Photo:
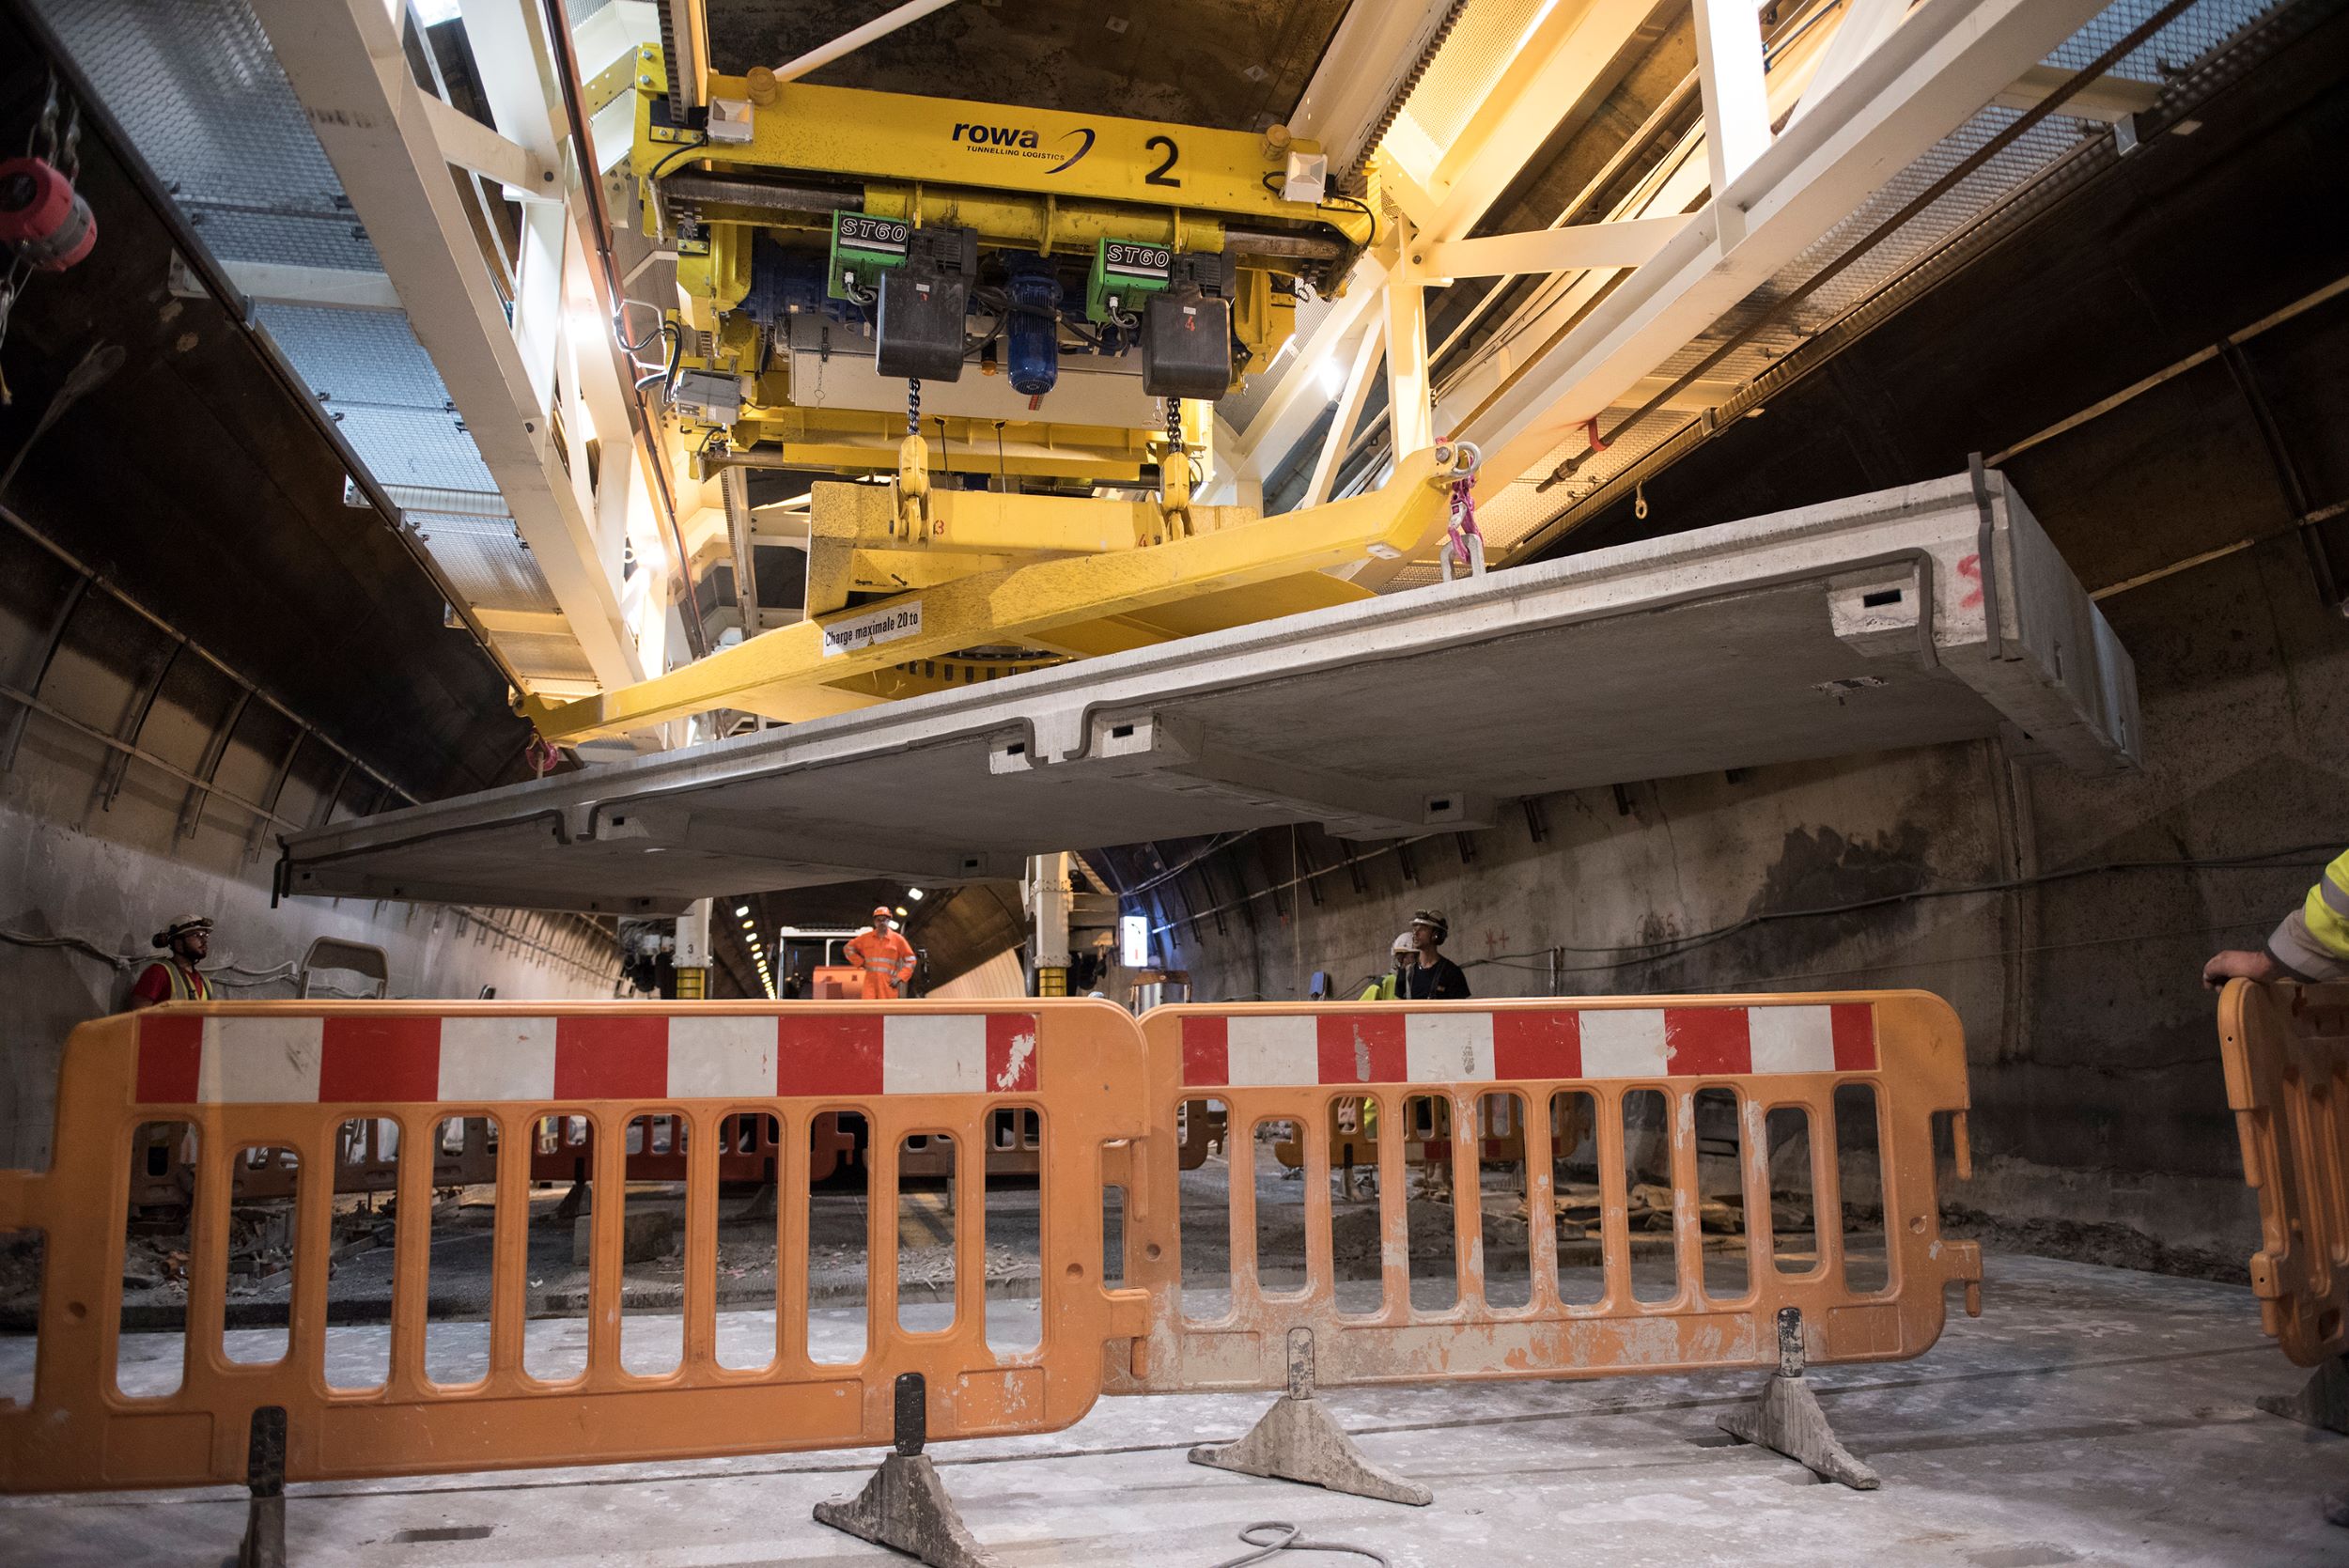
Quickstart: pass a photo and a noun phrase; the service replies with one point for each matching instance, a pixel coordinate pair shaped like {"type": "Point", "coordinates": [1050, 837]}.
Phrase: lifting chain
{"type": "Point", "coordinates": [1173, 477]}
{"type": "Point", "coordinates": [914, 407]}
{"type": "Point", "coordinates": [1464, 541]}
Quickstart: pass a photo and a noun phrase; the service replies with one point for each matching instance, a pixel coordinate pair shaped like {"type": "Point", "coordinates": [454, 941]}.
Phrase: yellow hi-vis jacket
{"type": "Point", "coordinates": [2312, 943]}
{"type": "Point", "coordinates": [1381, 990]}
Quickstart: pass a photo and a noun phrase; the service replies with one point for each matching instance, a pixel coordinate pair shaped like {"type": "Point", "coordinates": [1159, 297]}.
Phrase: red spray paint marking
{"type": "Point", "coordinates": [1970, 568]}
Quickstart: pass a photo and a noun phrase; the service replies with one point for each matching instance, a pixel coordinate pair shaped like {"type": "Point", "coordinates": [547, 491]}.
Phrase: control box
{"type": "Point", "coordinates": [863, 249]}
{"type": "Point", "coordinates": [1126, 273]}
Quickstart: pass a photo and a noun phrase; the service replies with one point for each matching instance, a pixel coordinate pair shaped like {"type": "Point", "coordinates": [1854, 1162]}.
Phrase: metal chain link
{"type": "Point", "coordinates": [45, 127]}
{"type": "Point", "coordinates": [1174, 424]}
{"type": "Point", "coordinates": [68, 159]}
{"type": "Point", "coordinates": [914, 407]}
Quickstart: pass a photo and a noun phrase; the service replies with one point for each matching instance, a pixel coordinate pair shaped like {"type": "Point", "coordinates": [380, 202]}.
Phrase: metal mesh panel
{"type": "Point", "coordinates": [204, 100]}
{"type": "Point", "coordinates": [360, 356]}
{"type": "Point", "coordinates": [413, 446]}
{"type": "Point", "coordinates": [546, 656]}
{"type": "Point", "coordinates": [483, 560]}
{"type": "Point", "coordinates": [1482, 44]}
{"type": "Point", "coordinates": [2179, 44]}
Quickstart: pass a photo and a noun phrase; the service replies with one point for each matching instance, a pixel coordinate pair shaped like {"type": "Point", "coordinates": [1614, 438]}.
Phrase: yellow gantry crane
{"type": "Point", "coordinates": [1004, 330]}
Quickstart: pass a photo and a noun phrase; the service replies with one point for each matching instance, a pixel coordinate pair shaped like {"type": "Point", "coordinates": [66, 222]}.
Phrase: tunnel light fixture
{"type": "Point", "coordinates": [916, 894]}
{"type": "Point", "coordinates": [741, 908]}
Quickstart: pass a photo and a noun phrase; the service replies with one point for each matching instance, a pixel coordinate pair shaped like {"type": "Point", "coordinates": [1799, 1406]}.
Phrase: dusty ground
{"type": "Point", "coordinates": [2091, 1416]}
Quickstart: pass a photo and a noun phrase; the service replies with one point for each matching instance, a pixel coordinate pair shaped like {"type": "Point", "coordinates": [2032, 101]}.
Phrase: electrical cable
{"type": "Point", "coordinates": [1173, 872]}
{"type": "Point", "coordinates": [1292, 1538]}
{"type": "Point", "coordinates": [661, 167]}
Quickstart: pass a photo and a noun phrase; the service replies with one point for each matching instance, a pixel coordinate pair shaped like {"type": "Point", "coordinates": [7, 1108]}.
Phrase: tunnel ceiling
{"type": "Point", "coordinates": [1237, 65]}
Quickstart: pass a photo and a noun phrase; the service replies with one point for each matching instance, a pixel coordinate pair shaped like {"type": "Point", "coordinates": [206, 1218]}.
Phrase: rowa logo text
{"type": "Point", "coordinates": [1020, 141]}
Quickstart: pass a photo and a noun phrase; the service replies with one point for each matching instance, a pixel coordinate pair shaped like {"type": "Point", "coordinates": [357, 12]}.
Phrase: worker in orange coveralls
{"type": "Point", "coordinates": [886, 958]}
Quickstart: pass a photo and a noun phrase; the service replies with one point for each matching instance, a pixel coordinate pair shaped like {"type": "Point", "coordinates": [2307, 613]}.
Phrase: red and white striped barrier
{"type": "Point", "coordinates": [389, 1058]}
{"type": "Point", "coordinates": [1276, 1049]}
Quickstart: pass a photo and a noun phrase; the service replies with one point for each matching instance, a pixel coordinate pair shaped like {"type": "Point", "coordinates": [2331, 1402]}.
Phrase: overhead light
{"type": "Point", "coordinates": [914, 893]}
{"type": "Point", "coordinates": [901, 911]}
{"type": "Point", "coordinates": [1332, 375]}
{"type": "Point", "coordinates": [741, 908]}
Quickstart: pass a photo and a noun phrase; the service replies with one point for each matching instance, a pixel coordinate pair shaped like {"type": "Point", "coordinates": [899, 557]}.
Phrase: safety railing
{"type": "Point", "coordinates": [1638, 1070]}
{"type": "Point", "coordinates": [291, 1077]}
{"type": "Point", "coordinates": [1627, 1153]}
{"type": "Point", "coordinates": [2286, 1052]}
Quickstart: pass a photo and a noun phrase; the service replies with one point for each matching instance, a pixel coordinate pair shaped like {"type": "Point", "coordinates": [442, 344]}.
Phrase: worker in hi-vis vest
{"type": "Point", "coordinates": [2312, 943]}
{"type": "Point", "coordinates": [1384, 988]}
{"type": "Point", "coordinates": [885, 957]}
{"type": "Point", "coordinates": [175, 977]}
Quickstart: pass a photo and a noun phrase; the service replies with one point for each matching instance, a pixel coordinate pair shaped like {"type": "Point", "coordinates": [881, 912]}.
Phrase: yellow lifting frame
{"type": "Point", "coordinates": [794, 672]}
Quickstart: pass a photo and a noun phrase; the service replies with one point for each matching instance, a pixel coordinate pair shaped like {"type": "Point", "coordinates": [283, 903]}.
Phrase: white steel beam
{"type": "Point", "coordinates": [282, 283]}
{"type": "Point", "coordinates": [1737, 102]}
{"type": "Point", "coordinates": [1289, 407]}
{"type": "Point", "coordinates": [1573, 54]}
{"type": "Point", "coordinates": [471, 144]}
{"type": "Point", "coordinates": [507, 41]}
{"type": "Point", "coordinates": [857, 38]}
{"type": "Point", "coordinates": [1349, 410]}
{"type": "Point", "coordinates": [1865, 24]}
{"type": "Point", "coordinates": [346, 64]}
{"type": "Point", "coordinates": [1568, 61]}
{"type": "Point", "coordinates": [1627, 243]}
{"type": "Point", "coordinates": [1410, 409]}
{"type": "Point", "coordinates": [2109, 99]}
{"type": "Point", "coordinates": [1941, 65]}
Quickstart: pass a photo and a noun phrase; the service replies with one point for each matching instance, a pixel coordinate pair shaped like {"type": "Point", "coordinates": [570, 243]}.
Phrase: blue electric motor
{"type": "Point", "coordinates": [1032, 335]}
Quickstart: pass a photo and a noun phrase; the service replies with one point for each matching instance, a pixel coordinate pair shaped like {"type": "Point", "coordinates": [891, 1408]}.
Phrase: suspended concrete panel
{"type": "Point", "coordinates": [1909, 617]}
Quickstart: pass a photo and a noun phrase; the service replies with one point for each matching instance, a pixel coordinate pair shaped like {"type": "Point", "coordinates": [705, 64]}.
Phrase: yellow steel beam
{"type": "Point", "coordinates": [786, 673]}
{"type": "Point", "coordinates": [862, 440]}
{"type": "Point", "coordinates": [900, 137]}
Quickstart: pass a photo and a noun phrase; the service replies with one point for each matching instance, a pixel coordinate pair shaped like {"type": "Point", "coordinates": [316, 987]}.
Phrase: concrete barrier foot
{"type": "Point", "coordinates": [1300, 1440]}
{"type": "Point", "coordinates": [2322, 1400]}
{"type": "Point", "coordinates": [905, 1506]}
{"type": "Point", "coordinates": [1787, 1419]}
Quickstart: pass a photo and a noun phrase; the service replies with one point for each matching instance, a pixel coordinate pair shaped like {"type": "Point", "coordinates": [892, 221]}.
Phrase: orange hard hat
{"type": "Point", "coordinates": [880, 912]}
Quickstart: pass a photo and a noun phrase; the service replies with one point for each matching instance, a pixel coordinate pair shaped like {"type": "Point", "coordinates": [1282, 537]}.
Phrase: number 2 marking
{"type": "Point", "coordinates": [1159, 176]}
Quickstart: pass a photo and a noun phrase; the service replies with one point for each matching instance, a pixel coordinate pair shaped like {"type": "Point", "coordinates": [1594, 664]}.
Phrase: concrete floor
{"type": "Point", "coordinates": [2093, 1416]}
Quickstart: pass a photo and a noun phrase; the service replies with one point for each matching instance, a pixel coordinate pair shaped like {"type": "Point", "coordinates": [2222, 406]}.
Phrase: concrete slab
{"type": "Point", "coordinates": [2092, 1416]}
{"type": "Point", "coordinates": [1865, 624]}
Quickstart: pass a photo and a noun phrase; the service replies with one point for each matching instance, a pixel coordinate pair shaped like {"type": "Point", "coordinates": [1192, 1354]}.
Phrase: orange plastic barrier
{"type": "Point", "coordinates": [292, 1075]}
{"type": "Point", "coordinates": [1281, 1062]}
{"type": "Point", "coordinates": [2286, 1049]}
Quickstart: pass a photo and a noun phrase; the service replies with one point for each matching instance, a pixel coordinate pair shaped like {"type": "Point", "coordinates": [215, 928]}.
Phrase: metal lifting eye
{"type": "Point", "coordinates": [1639, 499]}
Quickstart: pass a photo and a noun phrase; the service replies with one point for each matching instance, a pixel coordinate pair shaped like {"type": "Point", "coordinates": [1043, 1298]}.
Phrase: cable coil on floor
{"type": "Point", "coordinates": [1291, 1538]}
